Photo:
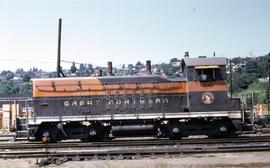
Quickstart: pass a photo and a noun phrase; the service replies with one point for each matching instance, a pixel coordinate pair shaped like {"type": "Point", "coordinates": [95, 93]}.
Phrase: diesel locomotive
{"type": "Point", "coordinates": [104, 107]}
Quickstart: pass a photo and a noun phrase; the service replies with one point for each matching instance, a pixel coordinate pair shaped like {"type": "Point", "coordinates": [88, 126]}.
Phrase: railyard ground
{"type": "Point", "coordinates": [221, 160]}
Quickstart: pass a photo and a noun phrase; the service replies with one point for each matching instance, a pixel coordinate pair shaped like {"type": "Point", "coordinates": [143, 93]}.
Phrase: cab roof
{"type": "Point", "coordinates": [205, 61]}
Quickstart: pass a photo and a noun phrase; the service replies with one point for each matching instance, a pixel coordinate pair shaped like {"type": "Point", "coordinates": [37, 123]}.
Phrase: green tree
{"type": "Point", "coordinates": [242, 81]}
{"type": "Point", "coordinates": [5, 87]}
{"type": "Point", "coordinates": [26, 77]}
{"type": "Point", "coordinates": [236, 60]}
{"type": "Point", "coordinates": [168, 70]}
{"type": "Point", "coordinates": [26, 88]}
{"type": "Point", "coordinates": [262, 67]}
{"type": "Point", "coordinates": [251, 67]}
{"type": "Point", "coordinates": [8, 75]}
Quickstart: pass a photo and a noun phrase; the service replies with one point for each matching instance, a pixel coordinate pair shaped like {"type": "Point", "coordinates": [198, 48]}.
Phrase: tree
{"type": "Point", "coordinates": [138, 64]}
{"type": "Point", "coordinates": [26, 89]}
{"type": "Point", "coordinates": [8, 75]}
{"type": "Point", "coordinates": [263, 67]}
{"type": "Point", "coordinates": [73, 68]}
{"type": "Point", "coordinates": [130, 66]}
{"type": "Point", "coordinates": [236, 60]}
{"type": "Point", "coordinates": [82, 71]}
{"type": "Point", "coordinates": [173, 60]}
{"type": "Point", "coordinates": [251, 67]}
{"type": "Point", "coordinates": [168, 70]}
{"type": "Point", "coordinates": [26, 77]}
{"type": "Point", "coordinates": [90, 69]}
{"type": "Point", "coordinates": [5, 87]}
{"type": "Point", "coordinates": [242, 81]}
{"type": "Point", "coordinates": [19, 71]}
{"type": "Point", "coordinates": [35, 69]}
{"type": "Point", "coordinates": [130, 69]}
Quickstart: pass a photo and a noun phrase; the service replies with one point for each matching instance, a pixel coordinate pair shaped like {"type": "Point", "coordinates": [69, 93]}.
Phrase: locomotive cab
{"type": "Point", "coordinates": [208, 96]}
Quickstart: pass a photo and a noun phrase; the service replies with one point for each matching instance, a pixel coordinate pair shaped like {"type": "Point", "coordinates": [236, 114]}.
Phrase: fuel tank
{"type": "Point", "coordinates": [138, 129]}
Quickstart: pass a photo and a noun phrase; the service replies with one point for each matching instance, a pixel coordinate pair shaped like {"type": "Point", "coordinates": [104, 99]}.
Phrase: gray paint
{"type": "Point", "coordinates": [221, 102]}
{"type": "Point", "coordinates": [135, 79]}
{"type": "Point", "coordinates": [205, 61]}
{"type": "Point", "coordinates": [110, 104]}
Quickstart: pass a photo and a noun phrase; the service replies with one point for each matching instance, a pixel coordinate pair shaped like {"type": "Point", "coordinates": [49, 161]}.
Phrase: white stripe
{"type": "Point", "coordinates": [180, 115]}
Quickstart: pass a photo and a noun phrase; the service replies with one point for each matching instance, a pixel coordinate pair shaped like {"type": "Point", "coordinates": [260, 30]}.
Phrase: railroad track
{"type": "Point", "coordinates": [132, 149]}
{"type": "Point", "coordinates": [130, 143]}
{"type": "Point", "coordinates": [132, 153]}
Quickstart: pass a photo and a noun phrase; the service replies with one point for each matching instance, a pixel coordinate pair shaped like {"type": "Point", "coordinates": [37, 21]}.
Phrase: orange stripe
{"type": "Point", "coordinates": [93, 87]}
{"type": "Point", "coordinates": [195, 86]}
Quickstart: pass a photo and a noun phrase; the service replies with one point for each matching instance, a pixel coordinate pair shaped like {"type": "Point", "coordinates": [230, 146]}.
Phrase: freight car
{"type": "Point", "coordinates": [104, 107]}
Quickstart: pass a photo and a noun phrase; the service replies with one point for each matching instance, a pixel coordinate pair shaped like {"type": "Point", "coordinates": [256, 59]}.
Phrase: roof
{"type": "Point", "coordinates": [102, 80]}
{"type": "Point", "coordinates": [206, 61]}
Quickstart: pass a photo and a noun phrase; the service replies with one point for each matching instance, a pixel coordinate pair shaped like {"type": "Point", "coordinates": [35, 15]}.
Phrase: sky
{"type": "Point", "coordinates": [127, 31]}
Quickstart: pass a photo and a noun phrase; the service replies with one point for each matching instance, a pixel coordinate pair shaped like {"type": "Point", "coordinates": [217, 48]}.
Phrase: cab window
{"type": "Point", "coordinates": [208, 74]}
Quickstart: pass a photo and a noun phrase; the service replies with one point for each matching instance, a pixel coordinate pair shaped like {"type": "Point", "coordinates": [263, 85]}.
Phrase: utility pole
{"type": "Point", "coordinates": [59, 47]}
{"type": "Point", "coordinates": [268, 86]}
{"type": "Point", "coordinates": [58, 68]}
{"type": "Point", "coordinates": [231, 88]}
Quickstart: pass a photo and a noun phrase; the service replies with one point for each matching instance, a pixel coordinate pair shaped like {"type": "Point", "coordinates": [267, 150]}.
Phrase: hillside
{"type": "Point", "coordinates": [250, 79]}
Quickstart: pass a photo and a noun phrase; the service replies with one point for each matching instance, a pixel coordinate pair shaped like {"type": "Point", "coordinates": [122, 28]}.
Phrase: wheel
{"type": "Point", "coordinates": [223, 129]}
{"type": "Point", "coordinates": [48, 132]}
{"type": "Point", "coordinates": [97, 133]}
{"type": "Point", "coordinates": [175, 130]}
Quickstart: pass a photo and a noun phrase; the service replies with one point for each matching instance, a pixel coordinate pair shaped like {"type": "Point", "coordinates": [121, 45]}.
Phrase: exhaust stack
{"type": "Point", "coordinates": [109, 64]}
{"type": "Point", "coordinates": [148, 67]}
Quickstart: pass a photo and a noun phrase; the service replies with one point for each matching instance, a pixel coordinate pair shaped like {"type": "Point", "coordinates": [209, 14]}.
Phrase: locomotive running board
{"type": "Point", "coordinates": [180, 115]}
